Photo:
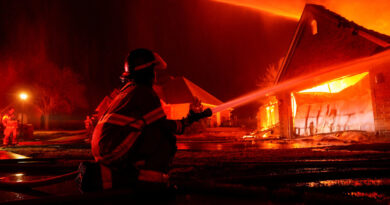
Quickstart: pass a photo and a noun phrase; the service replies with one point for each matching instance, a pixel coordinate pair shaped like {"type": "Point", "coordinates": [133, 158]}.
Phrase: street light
{"type": "Point", "coordinates": [23, 96]}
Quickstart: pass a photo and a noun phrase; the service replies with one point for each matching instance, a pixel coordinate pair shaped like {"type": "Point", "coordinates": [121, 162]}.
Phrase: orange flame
{"type": "Point", "coordinates": [336, 86]}
{"type": "Point", "coordinates": [372, 15]}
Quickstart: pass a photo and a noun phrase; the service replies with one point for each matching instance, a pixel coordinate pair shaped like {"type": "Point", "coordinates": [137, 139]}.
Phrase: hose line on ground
{"type": "Point", "coordinates": [40, 182]}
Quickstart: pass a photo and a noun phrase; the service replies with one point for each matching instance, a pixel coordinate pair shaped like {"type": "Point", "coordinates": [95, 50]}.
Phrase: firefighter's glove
{"type": "Point", "coordinates": [193, 116]}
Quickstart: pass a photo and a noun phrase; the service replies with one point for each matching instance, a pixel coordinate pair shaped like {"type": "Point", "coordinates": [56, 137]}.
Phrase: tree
{"type": "Point", "coordinates": [269, 76]}
{"type": "Point", "coordinates": [8, 77]}
{"type": "Point", "coordinates": [56, 90]}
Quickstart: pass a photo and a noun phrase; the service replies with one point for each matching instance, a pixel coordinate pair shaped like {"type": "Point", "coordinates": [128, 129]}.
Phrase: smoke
{"type": "Point", "coordinates": [372, 14]}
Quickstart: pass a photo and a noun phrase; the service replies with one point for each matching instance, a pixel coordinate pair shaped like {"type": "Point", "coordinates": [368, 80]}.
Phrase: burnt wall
{"type": "Point", "coordinates": [348, 110]}
{"type": "Point", "coordinates": [285, 117]}
{"type": "Point", "coordinates": [380, 83]}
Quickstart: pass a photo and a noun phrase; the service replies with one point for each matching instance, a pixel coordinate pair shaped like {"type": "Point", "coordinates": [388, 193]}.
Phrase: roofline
{"type": "Point", "coordinates": [361, 31]}
{"type": "Point", "coordinates": [373, 39]}
{"type": "Point", "coordinates": [293, 44]}
{"type": "Point", "coordinates": [186, 81]}
{"type": "Point", "coordinates": [371, 35]}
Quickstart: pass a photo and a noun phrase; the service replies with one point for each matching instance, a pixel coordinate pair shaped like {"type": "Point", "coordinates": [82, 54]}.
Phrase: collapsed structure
{"type": "Point", "coordinates": [355, 101]}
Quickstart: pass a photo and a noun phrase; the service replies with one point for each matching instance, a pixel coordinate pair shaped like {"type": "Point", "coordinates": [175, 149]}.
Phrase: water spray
{"type": "Point", "coordinates": [325, 74]}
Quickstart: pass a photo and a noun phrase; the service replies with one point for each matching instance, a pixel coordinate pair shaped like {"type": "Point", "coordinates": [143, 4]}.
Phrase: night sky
{"type": "Point", "coordinates": [223, 48]}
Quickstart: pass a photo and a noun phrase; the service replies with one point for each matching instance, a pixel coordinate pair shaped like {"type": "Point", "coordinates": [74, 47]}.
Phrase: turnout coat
{"type": "Point", "coordinates": [134, 128]}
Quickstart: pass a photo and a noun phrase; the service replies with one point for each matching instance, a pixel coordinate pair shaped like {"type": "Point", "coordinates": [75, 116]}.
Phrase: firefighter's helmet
{"type": "Point", "coordinates": [142, 59]}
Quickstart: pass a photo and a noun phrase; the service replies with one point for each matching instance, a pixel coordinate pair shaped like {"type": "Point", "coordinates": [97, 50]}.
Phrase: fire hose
{"type": "Point", "coordinates": [61, 178]}
{"type": "Point", "coordinates": [40, 182]}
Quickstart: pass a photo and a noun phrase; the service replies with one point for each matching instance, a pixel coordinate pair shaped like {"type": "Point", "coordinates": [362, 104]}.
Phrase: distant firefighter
{"type": "Point", "coordinates": [196, 105]}
{"type": "Point", "coordinates": [10, 127]}
{"type": "Point", "coordinates": [133, 141]}
{"type": "Point", "coordinates": [88, 127]}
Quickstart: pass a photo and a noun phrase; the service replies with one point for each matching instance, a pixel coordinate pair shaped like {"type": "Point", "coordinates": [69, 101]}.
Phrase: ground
{"type": "Point", "coordinates": [220, 166]}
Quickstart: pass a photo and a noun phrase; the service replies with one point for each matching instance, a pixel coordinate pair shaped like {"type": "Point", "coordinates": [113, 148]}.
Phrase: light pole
{"type": "Point", "coordinates": [23, 96]}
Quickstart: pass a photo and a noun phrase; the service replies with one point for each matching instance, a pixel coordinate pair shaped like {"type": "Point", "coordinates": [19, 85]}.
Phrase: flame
{"type": "Point", "coordinates": [336, 86]}
{"type": "Point", "coordinates": [267, 116]}
{"type": "Point", "coordinates": [293, 105]}
{"type": "Point", "coordinates": [369, 14]}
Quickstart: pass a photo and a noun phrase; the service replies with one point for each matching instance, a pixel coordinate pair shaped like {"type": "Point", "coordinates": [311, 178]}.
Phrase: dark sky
{"type": "Point", "coordinates": [222, 48]}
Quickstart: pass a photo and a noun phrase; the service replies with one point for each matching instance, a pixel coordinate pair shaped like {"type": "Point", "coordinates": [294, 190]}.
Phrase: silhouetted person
{"type": "Point", "coordinates": [88, 128]}
{"type": "Point", "coordinates": [133, 141]}
{"type": "Point", "coordinates": [10, 127]}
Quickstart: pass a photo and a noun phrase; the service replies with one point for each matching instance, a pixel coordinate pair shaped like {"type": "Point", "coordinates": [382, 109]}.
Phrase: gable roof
{"type": "Point", "coordinates": [181, 90]}
{"type": "Point", "coordinates": [337, 40]}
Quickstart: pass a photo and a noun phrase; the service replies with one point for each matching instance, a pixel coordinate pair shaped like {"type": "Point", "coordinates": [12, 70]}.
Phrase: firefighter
{"type": "Point", "coordinates": [10, 127]}
{"type": "Point", "coordinates": [133, 142]}
{"type": "Point", "coordinates": [88, 128]}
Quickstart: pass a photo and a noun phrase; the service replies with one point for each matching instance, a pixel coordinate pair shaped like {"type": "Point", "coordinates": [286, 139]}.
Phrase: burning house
{"type": "Point", "coordinates": [357, 100]}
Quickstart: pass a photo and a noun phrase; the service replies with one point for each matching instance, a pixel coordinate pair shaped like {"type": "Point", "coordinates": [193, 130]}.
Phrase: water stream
{"type": "Point", "coordinates": [322, 75]}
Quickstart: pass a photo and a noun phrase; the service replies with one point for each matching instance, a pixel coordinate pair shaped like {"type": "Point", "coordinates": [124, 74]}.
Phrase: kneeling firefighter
{"type": "Point", "coordinates": [133, 141]}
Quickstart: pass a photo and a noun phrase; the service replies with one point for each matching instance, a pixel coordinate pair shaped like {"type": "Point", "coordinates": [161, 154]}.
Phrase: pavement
{"type": "Point", "coordinates": [10, 155]}
{"type": "Point", "coordinates": [221, 167]}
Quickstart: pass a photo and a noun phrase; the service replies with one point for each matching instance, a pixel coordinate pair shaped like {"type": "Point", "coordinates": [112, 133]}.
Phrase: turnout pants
{"type": "Point", "coordinates": [8, 133]}
{"type": "Point", "coordinates": [147, 162]}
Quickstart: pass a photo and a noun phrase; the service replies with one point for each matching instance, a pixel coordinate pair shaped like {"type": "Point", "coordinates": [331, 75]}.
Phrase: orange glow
{"type": "Point", "coordinates": [371, 15]}
{"type": "Point", "coordinates": [293, 105]}
{"type": "Point", "coordinates": [268, 115]}
{"type": "Point", "coordinates": [298, 145]}
{"type": "Point", "coordinates": [11, 155]}
{"type": "Point", "coordinates": [314, 29]}
{"type": "Point", "coordinates": [208, 105]}
{"type": "Point", "coordinates": [271, 7]}
{"type": "Point", "coordinates": [182, 146]}
{"type": "Point", "coordinates": [23, 96]}
{"type": "Point", "coordinates": [336, 86]}
{"type": "Point", "coordinates": [248, 136]}
{"type": "Point", "coordinates": [219, 147]}
{"type": "Point", "coordinates": [373, 195]}
{"type": "Point", "coordinates": [270, 145]}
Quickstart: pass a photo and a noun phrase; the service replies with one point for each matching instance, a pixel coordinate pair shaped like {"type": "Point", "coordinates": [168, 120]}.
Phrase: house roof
{"type": "Point", "coordinates": [181, 90]}
{"type": "Point", "coordinates": [337, 40]}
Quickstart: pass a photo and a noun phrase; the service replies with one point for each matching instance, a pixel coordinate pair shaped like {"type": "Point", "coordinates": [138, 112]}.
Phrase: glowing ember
{"type": "Point", "coordinates": [253, 135]}
{"type": "Point", "coordinates": [349, 182]}
{"type": "Point", "coordinates": [248, 136]}
{"type": "Point", "coordinates": [372, 195]}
